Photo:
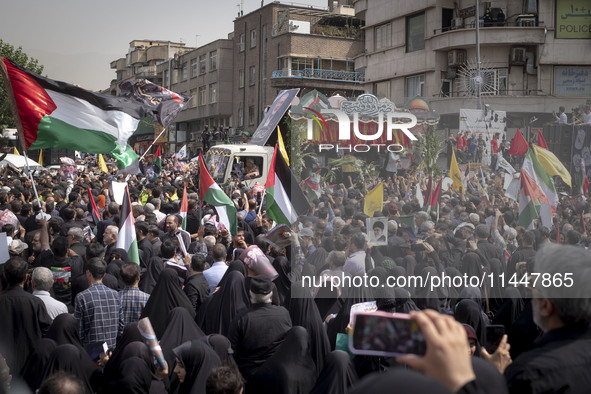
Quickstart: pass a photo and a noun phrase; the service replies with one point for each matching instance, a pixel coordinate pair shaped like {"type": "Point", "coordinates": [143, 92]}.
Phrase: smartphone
{"type": "Point", "coordinates": [493, 335]}
{"type": "Point", "coordinates": [386, 334]}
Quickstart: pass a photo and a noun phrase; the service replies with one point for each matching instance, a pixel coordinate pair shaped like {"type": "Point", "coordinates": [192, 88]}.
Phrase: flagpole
{"type": "Point", "coordinates": [31, 175]}
{"type": "Point", "coordinates": [262, 199]}
{"type": "Point", "coordinates": [17, 120]}
{"type": "Point", "coordinates": [152, 144]}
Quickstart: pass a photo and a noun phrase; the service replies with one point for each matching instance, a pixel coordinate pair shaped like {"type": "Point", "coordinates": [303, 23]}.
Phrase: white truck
{"type": "Point", "coordinates": [226, 163]}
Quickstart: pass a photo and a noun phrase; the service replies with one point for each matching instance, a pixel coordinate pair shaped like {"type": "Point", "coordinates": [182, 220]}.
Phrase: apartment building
{"type": "Point", "coordinates": [281, 46]}
{"type": "Point", "coordinates": [534, 59]}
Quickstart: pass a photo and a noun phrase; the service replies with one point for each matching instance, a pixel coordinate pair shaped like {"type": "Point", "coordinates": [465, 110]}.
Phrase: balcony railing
{"type": "Point", "coordinates": [525, 22]}
{"type": "Point", "coordinates": [327, 75]}
{"type": "Point", "coordinates": [145, 71]}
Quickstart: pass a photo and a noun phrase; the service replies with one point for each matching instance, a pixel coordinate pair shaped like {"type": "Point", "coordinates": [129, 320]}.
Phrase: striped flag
{"type": "Point", "coordinates": [282, 145]}
{"type": "Point", "coordinates": [428, 193]}
{"type": "Point", "coordinates": [211, 193]}
{"type": "Point", "coordinates": [284, 200]}
{"type": "Point", "coordinates": [59, 115]}
{"type": "Point", "coordinates": [533, 203]}
{"type": "Point", "coordinates": [95, 212]}
{"type": "Point", "coordinates": [313, 190]}
{"type": "Point", "coordinates": [536, 172]}
{"type": "Point", "coordinates": [184, 207]}
{"type": "Point", "coordinates": [433, 203]}
{"type": "Point", "coordinates": [127, 239]}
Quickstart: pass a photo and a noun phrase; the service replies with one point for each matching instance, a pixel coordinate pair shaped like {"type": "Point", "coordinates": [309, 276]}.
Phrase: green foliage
{"type": "Point", "coordinates": [365, 170]}
{"type": "Point", "coordinates": [427, 150]}
{"type": "Point", "coordinates": [21, 58]}
{"type": "Point", "coordinates": [296, 146]}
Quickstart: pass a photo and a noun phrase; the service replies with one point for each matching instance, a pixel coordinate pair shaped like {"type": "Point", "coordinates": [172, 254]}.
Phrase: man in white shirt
{"type": "Point", "coordinates": [355, 263]}
{"type": "Point", "coordinates": [561, 117]}
{"type": "Point", "coordinates": [42, 280]}
{"type": "Point", "coordinates": [214, 274]}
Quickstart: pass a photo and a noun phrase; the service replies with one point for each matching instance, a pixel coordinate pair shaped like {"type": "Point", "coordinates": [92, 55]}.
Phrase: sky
{"type": "Point", "coordinates": [76, 40]}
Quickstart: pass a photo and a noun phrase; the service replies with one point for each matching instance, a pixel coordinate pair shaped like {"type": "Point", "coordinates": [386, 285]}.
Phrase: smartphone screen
{"type": "Point", "coordinates": [386, 334]}
{"type": "Point", "coordinates": [494, 333]}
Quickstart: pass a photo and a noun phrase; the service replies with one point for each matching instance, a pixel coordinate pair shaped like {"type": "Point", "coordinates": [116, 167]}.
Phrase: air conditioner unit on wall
{"type": "Point", "coordinates": [456, 57]}
{"type": "Point", "coordinates": [518, 56]}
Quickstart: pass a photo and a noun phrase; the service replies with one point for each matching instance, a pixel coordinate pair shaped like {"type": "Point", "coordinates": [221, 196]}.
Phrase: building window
{"type": "Point", "coordinates": [302, 63]}
{"type": "Point", "coordinates": [251, 75]}
{"type": "Point", "coordinates": [202, 60]}
{"type": "Point", "coordinates": [415, 86]}
{"type": "Point", "coordinates": [193, 102]}
{"type": "Point", "coordinates": [242, 42]}
{"type": "Point", "coordinates": [251, 115]}
{"type": "Point", "coordinates": [193, 68]}
{"type": "Point", "coordinates": [240, 117]}
{"type": "Point", "coordinates": [184, 71]}
{"type": "Point", "coordinates": [240, 78]}
{"type": "Point", "coordinates": [383, 36]}
{"type": "Point", "coordinates": [382, 89]}
{"type": "Point", "coordinates": [415, 32]}
{"type": "Point", "coordinates": [494, 82]}
{"type": "Point", "coordinates": [202, 95]}
{"type": "Point", "coordinates": [213, 92]}
{"type": "Point", "coordinates": [446, 88]}
{"type": "Point", "coordinates": [253, 38]}
{"type": "Point", "coordinates": [213, 60]}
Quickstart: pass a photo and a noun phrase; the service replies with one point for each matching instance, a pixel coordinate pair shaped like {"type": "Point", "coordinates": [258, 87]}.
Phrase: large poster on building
{"type": "Point", "coordinates": [581, 151]}
{"type": "Point", "coordinates": [573, 19]}
{"type": "Point", "coordinates": [486, 123]}
{"type": "Point", "coordinates": [572, 81]}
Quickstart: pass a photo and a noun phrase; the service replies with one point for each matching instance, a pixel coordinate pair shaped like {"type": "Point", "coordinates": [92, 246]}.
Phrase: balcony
{"type": "Point", "coordinates": [145, 72]}
{"type": "Point", "coordinates": [325, 75]}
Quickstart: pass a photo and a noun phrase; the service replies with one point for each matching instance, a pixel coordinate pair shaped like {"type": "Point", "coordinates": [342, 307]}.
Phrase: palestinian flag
{"type": "Point", "coordinates": [96, 217]}
{"type": "Point", "coordinates": [184, 207]}
{"type": "Point", "coordinates": [211, 193]}
{"type": "Point", "coordinates": [313, 190]}
{"type": "Point", "coordinates": [428, 194]}
{"type": "Point", "coordinates": [433, 203]}
{"type": "Point", "coordinates": [127, 239]}
{"type": "Point", "coordinates": [533, 203]}
{"type": "Point", "coordinates": [59, 115]}
{"type": "Point", "coordinates": [541, 177]}
{"type": "Point", "coordinates": [284, 200]}
{"type": "Point", "coordinates": [158, 161]}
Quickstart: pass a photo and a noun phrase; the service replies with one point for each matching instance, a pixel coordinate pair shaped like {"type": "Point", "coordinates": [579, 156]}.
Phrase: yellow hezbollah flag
{"type": "Point", "coordinates": [40, 161]}
{"type": "Point", "coordinates": [16, 151]}
{"type": "Point", "coordinates": [281, 145]}
{"type": "Point", "coordinates": [374, 200]}
{"type": "Point", "coordinates": [101, 164]}
{"type": "Point", "coordinates": [551, 164]}
{"type": "Point", "coordinates": [454, 173]}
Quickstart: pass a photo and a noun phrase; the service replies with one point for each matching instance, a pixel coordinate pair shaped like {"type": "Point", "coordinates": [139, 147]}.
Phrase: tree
{"type": "Point", "coordinates": [427, 151]}
{"type": "Point", "coordinates": [22, 59]}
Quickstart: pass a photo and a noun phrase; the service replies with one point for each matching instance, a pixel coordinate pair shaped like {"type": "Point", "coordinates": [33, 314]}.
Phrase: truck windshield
{"type": "Point", "coordinates": [216, 161]}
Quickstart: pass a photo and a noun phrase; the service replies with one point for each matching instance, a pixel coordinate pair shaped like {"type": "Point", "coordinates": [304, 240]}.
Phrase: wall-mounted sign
{"type": "Point", "coordinates": [573, 19]}
{"type": "Point", "coordinates": [572, 81]}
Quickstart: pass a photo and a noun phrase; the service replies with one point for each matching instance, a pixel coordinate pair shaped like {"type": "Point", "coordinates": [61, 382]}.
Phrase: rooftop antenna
{"type": "Point", "coordinates": [196, 35]}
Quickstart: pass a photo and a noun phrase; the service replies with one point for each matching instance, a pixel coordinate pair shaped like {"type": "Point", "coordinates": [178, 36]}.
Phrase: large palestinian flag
{"type": "Point", "coordinates": [126, 238]}
{"type": "Point", "coordinates": [284, 200]}
{"type": "Point", "coordinates": [59, 115]}
{"type": "Point", "coordinates": [211, 193]}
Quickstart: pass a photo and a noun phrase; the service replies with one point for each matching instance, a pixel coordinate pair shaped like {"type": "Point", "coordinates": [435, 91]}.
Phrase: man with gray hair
{"type": "Point", "coordinates": [256, 334]}
{"type": "Point", "coordinates": [561, 304]}
{"type": "Point", "coordinates": [75, 239]}
{"type": "Point", "coordinates": [42, 280]}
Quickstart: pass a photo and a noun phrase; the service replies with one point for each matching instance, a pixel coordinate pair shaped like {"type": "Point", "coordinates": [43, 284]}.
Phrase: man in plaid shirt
{"type": "Point", "coordinates": [98, 309]}
{"type": "Point", "coordinates": [132, 298]}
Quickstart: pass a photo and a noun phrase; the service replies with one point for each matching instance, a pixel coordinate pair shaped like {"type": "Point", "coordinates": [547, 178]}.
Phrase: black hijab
{"type": "Point", "coordinates": [404, 304]}
{"type": "Point", "coordinates": [317, 260]}
{"type": "Point", "coordinates": [511, 308]}
{"type": "Point", "coordinates": [337, 325]}
{"type": "Point", "coordinates": [181, 328]}
{"type": "Point", "coordinates": [199, 360]}
{"type": "Point", "coordinates": [69, 358]}
{"type": "Point", "coordinates": [148, 281]}
{"type": "Point", "coordinates": [236, 265]}
{"type": "Point", "coordinates": [337, 376]}
{"type": "Point", "coordinates": [425, 296]}
{"type": "Point", "coordinates": [222, 346]}
{"type": "Point", "coordinates": [468, 312]}
{"type": "Point", "coordinates": [304, 312]}
{"type": "Point", "coordinates": [231, 299]}
{"type": "Point", "coordinates": [135, 377]}
{"type": "Point", "coordinates": [283, 281]}
{"type": "Point", "coordinates": [166, 296]}
{"type": "Point", "coordinates": [290, 370]}
{"type": "Point", "coordinates": [454, 291]}
{"type": "Point", "coordinates": [64, 330]}
{"type": "Point", "coordinates": [36, 361]}
{"type": "Point", "coordinates": [409, 263]}
{"type": "Point", "coordinates": [488, 379]}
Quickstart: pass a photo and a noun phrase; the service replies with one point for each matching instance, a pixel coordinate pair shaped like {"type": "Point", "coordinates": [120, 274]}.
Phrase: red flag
{"type": "Point", "coordinates": [158, 152]}
{"type": "Point", "coordinates": [541, 141]}
{"type": "Point", "coordinates": [519, 145]}
{"type": "Point", "coordinates": [95, 211]}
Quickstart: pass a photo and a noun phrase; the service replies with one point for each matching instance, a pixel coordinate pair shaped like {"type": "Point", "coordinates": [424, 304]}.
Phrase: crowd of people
{"type": "Point", "coordinates": [233, 313]}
